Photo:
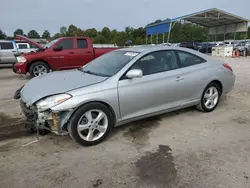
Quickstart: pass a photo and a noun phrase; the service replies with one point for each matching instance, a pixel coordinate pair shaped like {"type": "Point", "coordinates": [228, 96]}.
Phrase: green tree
{"type": "Point", "coordinates": [106, 34]}
{"type": "Point", "coordinates": [56, 36]}
{"type": "Point", "coordinates": [63, 31]}
{"type": "Point", "coordinates": [18, 32]}
{"type": "Point", "coordinates": [91, 32]}
{"type": "Point", "coordinates": [46, 34]}
{"type": "Point", "coordinates": [33, 34]}
{"type": "Point", "coordinates": [99, 39]}
{"type": "Point", "coordinates": [2, 35]}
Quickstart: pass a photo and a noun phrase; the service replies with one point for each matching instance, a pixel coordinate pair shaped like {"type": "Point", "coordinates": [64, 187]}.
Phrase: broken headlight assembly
{"type": "Point", "coordinates": [52, 101]}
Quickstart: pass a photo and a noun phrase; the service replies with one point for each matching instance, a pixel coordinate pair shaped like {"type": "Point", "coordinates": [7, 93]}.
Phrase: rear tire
{"type": "Point", "coordinates": [86, 128]}
{"type": "Point", "coordinates": [38, 68]}
{"type": "Point", "coordinates": [210, 98]}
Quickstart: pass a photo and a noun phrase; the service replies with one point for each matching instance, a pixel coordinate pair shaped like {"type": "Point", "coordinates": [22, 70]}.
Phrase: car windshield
{"type": "Point", "coordinates": [51, 43]}
{"type": "Point", "coordinates": [109, 64]}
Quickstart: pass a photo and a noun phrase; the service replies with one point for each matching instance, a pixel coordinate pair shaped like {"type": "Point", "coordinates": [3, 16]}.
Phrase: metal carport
{"type": "Point", "coordinates": [217, 21]}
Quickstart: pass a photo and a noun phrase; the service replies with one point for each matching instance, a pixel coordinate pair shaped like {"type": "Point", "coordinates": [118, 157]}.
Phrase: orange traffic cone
{"type": "Point", "coordinates": [237, 53]}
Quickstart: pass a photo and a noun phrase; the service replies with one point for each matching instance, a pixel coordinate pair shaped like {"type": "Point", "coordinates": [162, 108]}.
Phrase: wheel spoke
{"type": "Point", "coordinates": [88, 115]}
{"type": "Point", "coordinates": [207, 102]}
{"type": "Point", "coordinates": [101, 129]}
{"type": "Point", "coordinates": [99, 117]}
{"type": "Point", "coordinates": [83, 127]}
{"type": "Point", "coordinates": [90, 135]}
{"type": "Point", "coordinates": [211, 90]}
{"type": "Point", "coordinates": [207, 96]}
{"type": "Point", "coordinates": [214, 95]}
{"type": "Point", "coordinates": [212, 103]}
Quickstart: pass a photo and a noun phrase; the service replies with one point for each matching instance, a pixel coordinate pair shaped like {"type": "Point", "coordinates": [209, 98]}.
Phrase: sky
{"type": "Point", "coordinates": [116, 14]}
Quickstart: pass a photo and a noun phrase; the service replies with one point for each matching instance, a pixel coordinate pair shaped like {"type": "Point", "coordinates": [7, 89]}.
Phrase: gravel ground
{"type": "Point", "coordinates": [181, 149]}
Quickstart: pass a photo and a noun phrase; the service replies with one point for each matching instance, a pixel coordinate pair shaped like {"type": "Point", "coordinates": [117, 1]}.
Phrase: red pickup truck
{"type": "Point", "coordinates": [60, 54]}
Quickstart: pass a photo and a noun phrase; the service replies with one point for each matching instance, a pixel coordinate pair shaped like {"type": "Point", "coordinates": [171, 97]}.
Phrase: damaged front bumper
{"type": "Point", "coordinates": [55, 122]}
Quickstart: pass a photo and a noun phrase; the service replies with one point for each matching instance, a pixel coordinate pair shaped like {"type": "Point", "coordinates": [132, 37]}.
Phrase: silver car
{"type": "Point", "coordinates": [123, 86]}
{"type": "Point", "coordinates": [8, 50]}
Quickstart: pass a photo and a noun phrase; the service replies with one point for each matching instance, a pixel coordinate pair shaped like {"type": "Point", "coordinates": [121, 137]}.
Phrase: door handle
{"type": "Point", "coordinates": [71, 53]}
{"type": "Point", "coordinates": [13, 51]}
{"type": "Point", "coordinates": [179, 78]}
{"type": "Point", "coordinates": [88, 52]}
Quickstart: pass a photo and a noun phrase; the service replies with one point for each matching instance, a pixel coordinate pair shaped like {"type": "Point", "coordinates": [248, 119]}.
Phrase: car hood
{"type": "Point", "coordinates": [30, 42]}
{"type": "Point", "coordinates": [55, 83]}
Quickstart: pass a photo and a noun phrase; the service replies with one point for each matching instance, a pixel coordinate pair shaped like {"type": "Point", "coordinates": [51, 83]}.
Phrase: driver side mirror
{"type": "Point", "coordinates": [134, 73]}
{"type": "Point", "coordinates": [58, 48]}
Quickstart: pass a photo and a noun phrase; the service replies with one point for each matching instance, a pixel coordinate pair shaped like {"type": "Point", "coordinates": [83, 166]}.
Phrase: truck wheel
{"type": "Point", "coordinates": [91, 124]}
{"type": "Point", "coordinates": [38, 69]}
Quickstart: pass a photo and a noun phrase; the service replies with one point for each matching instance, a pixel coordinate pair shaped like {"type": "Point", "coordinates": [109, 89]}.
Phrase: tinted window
{"type": "Point", "coordinates": [157, 62]}
{"type": "Point", "coordinates": [22, 46]}
{"type": "Point", "coordinates": [190, 45]}
{"type": "Point", "coordinates": [188, 59]}
{"type": "Point", "coordinates": [109, 64]}
{"type": "Point", "coordinates": [6, 45]}
{"type": "Point", "coordinates": [183, 44]}
{"type": "Point", "coordinates": [82, 43]}
{"type": "Point", "coordinates": [67, 44]}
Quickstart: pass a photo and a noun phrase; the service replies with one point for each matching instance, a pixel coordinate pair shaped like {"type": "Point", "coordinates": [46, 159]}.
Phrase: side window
{"type": "Point", "coordinates": [22, 46]}
{"type": "Point", "coordinates": [190, 45]}
{"type": "Point", "coordinates": [157, 62]}
{"type": "Point", "coordinates": [82, 43]}
{"type": "Point", "coordinates": [67, 44]}
{"type": "Point", "coordinates": [6, 45]}
{"type": "Point", "coordinates": [188, 59]}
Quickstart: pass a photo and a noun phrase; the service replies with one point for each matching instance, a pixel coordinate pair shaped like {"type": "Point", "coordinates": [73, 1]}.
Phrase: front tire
{"type": "Point", "coordinates": [210, 98]}
{"type": "Point", "coordinates": [91, 124]}
{"type": "Point", "coordinates": [38, 69]}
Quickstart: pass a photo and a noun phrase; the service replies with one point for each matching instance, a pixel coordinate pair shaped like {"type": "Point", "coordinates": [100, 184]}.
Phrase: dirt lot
{"type": "Point", "coordinates": [182, 149]}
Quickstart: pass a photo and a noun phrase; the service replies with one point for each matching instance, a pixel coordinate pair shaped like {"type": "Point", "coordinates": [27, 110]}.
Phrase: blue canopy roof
{"type": "Point", "coordinates": [208, 18]}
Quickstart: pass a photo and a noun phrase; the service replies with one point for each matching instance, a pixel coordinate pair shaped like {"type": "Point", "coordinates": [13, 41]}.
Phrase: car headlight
{"type": "Point", "coordinates": [52, 101]}
{"type": "Point", "coordinates": [21, 59]}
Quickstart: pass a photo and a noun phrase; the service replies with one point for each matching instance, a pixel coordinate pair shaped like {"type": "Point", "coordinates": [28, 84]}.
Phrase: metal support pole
{"type": "Point", "coordinates": [146, 40]}
{"type": "Point", "coordinates": [246, 33]}
{"type": "Point", "coordinates": [169, 32]}
{"type": "Point", "coordinates": [163, 38]}
{"type": "Point", "coordinates": [157, 38]}
{"type": "Point", "coordinates": [225, 28]}
{"type": "Point", "coordinates": [151, 39]}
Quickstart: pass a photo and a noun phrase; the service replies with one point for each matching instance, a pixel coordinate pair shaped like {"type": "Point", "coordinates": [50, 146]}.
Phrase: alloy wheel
{"type": "Point", "coordinates": [39, 70]}
{"type": "Point", "coordinates": [92, 125]}
{"type": "Point", "coordinates": [211, 97]}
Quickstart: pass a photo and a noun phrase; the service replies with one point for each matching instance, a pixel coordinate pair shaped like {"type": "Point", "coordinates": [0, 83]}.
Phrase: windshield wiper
{"type": "Point", "coordinates": [93, 73]}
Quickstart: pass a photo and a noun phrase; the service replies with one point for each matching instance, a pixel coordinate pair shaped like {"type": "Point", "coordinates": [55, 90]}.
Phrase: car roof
{"type": "Point", "coordinates": [156, 48]}
{"type": "Point", "coordinates": [6, 41]}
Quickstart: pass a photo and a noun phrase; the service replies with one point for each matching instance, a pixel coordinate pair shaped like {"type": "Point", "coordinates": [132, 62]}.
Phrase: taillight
{"type": "Point", "coordinates": [228, 67]}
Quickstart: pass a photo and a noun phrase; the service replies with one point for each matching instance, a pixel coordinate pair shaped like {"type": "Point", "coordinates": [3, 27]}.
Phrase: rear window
{"type": "Point", "coordinates": [6, 45]}
{"type": "Point", "coordinates": [82, 43]}
{"type": "Point", "coordinates": [22, 46]}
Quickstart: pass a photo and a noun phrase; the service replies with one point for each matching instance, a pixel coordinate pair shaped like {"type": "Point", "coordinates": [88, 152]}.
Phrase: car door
{"type": "Point", "coordinates": [7, 51]}
{"type": "Point", "coordinates": [64, 58]}
{"type": "Point", "coordinates": [83, 52]}
{"type": "Point", "coordinates": [195, 72]}
{"type": "Point", "coordinates": [159, 88]}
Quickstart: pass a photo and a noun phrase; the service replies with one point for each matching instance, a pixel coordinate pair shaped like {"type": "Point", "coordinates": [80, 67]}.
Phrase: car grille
{"type": "Point", "coordinates": [28, 112]}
